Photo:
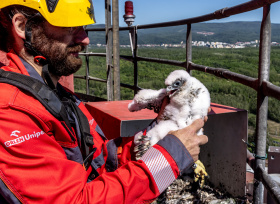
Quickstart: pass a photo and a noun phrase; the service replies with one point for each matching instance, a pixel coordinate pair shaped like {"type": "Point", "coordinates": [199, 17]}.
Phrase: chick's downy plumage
{"type": "Point", "coordinates": [189, 100]}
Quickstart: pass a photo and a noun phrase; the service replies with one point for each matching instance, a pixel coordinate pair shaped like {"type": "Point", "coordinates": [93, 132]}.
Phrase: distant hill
{"type": "Point", "coordinates": [230, 32]}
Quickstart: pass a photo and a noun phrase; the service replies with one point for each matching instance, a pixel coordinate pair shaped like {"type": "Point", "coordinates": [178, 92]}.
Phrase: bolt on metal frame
{"type": "Point", "coordinates": [261, 84]}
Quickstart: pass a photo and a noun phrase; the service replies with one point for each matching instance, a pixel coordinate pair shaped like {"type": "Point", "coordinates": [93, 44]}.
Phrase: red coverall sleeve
{"type": "Point", "coordinates": [126, 145]}
{"type": "Point", "coordinates": [34, 168]}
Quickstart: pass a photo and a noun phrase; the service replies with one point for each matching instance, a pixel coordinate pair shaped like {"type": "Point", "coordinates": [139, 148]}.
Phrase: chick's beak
{"type": "Point", "coordinates": [170, 90]}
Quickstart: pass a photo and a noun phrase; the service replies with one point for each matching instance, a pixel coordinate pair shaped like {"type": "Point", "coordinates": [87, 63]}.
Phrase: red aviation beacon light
{"type": "Point", "coordinates": [129, 16]}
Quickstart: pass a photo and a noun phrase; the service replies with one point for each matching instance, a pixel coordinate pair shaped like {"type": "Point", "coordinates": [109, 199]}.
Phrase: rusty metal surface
{"type": "Point", "coordinates": [273, 157]}
{"type": "Point", "coordinates": [134, 49]}
{"type": "Point", "coordinates": [272, 90]}
{"type": "Point", "coordinates": [109, 43]}
{"type": "Point", "coordinates": [276, 178]}
{"type": "Point", "coordinates": [116, 51]}
{"type": "Point", "coordinates": [262, 101]}
{"type": "Point", "coordinates": [273, 169]}
{"type": "Point", "coordinates": [224, 156]}
{"type": "Point", "coordinates": [87, 71]}
{"type": "Point", "coordinates": [271, 185]}
{"type": "Point", "coordinates": [226, 74]}
{"type": "Point", "coordinates": [188, 47]}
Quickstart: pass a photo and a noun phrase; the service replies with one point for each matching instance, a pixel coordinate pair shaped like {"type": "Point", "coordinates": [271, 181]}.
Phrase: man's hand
{"type": "Point", "coordinates": [190, 139]}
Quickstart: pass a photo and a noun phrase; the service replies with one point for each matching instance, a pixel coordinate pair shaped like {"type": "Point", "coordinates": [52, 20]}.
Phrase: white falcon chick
{"type": "Point", "coordinates": [189, 100]}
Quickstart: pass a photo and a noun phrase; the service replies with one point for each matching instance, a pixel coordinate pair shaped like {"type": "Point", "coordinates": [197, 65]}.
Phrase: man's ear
{"type": "Point", "coordinates": [19, 22]}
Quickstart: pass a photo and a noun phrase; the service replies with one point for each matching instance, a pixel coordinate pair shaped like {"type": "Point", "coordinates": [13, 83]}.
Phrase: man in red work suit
{"type": "Point", "coordinates": [48, 159]}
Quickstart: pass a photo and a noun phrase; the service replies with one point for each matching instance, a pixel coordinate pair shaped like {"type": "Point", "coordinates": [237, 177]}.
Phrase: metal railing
{"type": "Point", "coordinates": [261, 84]}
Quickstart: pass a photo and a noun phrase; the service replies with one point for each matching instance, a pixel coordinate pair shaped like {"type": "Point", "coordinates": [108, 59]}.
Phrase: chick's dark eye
{"type": "Point", "coordinates": [176, 84]}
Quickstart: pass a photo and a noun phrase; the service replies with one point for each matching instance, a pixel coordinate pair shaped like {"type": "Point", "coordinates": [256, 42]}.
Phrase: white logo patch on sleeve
{"type": "Point", "coordinates": [23, 138]}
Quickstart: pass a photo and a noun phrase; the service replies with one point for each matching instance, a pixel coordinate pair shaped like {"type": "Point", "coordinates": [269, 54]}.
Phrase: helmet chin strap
{"type": "Point", "coordinates": [38, 57]}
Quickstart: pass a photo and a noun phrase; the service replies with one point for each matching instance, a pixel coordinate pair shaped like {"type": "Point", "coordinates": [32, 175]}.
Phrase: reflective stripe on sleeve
{"type": "Point", "coordinates": [159, 168]}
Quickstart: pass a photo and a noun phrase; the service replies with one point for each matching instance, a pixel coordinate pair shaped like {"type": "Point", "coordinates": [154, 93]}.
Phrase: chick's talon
{"type": "Point", "coordinates": [200, 173]}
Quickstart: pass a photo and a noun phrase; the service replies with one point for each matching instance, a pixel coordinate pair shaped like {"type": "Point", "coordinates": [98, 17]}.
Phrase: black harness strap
{"type": "Point", "coordinates": [39, 90]}
{"type": "Point", "coordinates": [56, 106]}
{"type": "Point", "coordinates": [86, 138]}
{"type": "Point", "coordinates": [47, 77]}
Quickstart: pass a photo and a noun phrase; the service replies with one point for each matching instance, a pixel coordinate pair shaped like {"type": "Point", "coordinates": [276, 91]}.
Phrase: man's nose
{"type": "Point", "coordinates": [81, 38]}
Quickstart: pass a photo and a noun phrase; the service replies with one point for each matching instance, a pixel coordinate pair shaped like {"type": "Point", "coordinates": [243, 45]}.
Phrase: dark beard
{"type": "Point", "coordinates": [60, 62]}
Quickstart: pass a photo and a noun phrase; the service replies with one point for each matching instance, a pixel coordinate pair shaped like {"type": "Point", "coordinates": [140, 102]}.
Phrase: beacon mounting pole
{"type": "Point", "coordinates": [129, 19]}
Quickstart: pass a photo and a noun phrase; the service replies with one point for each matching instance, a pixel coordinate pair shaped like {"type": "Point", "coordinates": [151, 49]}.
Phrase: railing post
{"type": "Point", "coordinates": [133, 35]}
{"type": "Point", "coordinates": [271, 185]}
{"type": "Point", "coordinates": [188, 47]}
{"type": "Point", "coordinates": [116, 50]}
{"type": "Point", "coordinates": [87, 69]}
{"type": "Point", "coordinates": [109, 45]}
{"type": "Point", "coordinates": [262, 102]}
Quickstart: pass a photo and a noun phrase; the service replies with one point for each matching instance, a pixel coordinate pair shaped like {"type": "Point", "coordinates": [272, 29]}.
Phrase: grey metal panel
{"type": "Point", "coordinates": [130, 127]}
{"type": "Point", "coordinates": [224, 156]}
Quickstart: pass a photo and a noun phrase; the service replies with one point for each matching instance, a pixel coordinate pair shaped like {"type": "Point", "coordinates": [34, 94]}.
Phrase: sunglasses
{"type": "Point", "coordinates": [75, 30]}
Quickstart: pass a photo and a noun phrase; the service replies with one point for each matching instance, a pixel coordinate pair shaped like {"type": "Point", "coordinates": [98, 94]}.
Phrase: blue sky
{"type": "Point", "coordinates": [154, 11]}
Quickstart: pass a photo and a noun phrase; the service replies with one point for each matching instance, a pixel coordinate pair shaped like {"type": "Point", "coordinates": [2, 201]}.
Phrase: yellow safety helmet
{"type": "Point", "coordinates": [62, 13]}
